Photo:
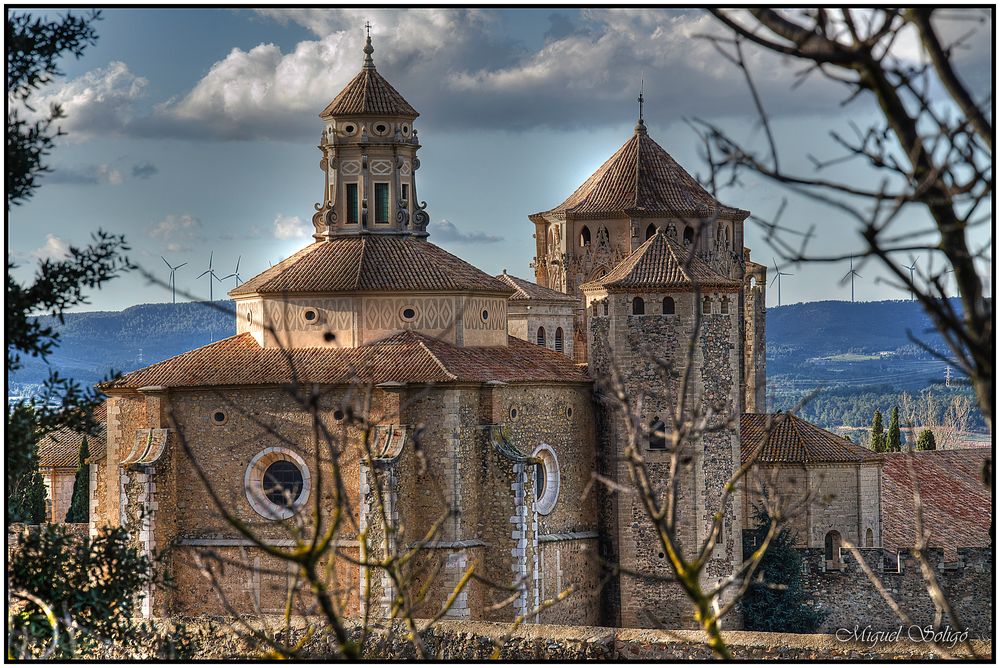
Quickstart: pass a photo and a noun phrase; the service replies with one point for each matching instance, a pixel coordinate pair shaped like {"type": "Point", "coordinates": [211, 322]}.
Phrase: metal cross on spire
{"type": "Point", "coordinates": [641, 82]}
{"type": "Point", "coordinates": [369, 49]}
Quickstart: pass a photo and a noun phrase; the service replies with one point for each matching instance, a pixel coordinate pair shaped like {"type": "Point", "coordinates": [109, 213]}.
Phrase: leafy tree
{"type": "Point", "coordinates": [79, 507]}
{"type": "Point", "coordinates": [26, 490]}
{"type": "Point", "coordinates": [98, 584]}
{"type": "Point", "coordinates": [877, 435]}
{"type": "Point", "coordinates": [775, 600]}
{"type": "Point", "coordinates": [893, 438]}
{"type": "Point", "coordinates": [926, 440]}
{"type": "Point", "coordinates": [33, 47]}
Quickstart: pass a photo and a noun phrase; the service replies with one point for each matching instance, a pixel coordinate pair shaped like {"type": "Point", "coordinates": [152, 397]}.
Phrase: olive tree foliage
{"type": "Point", "coordinates": [931, 147]}
{"type": "Point", "coordinates": [34, 47]}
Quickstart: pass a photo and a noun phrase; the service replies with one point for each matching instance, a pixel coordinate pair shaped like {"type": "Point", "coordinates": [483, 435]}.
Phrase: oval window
{"type": "Point", "coordinates": [546, 479]}
{"type": "Point", "coordinates": [249, 316]}
{"type": "Point", "coordinates": [218, 417]}
{"type": "Point", "coordinates": [338, 415]}
{"type": "Point", "coordinates": [513, 413]}
{"type": "Point", "coordinates": [380, 128]}
{"type": "Point", "coordinates": [409, 314]}
{"type": "Point", "coordinates": [277, 483]}
{"type": "Point", "coordinates": [486, 315]}
{"type": "Point", "coordinates": [310, 315]}
{"type": "Point", "coordinates": [349, 129]}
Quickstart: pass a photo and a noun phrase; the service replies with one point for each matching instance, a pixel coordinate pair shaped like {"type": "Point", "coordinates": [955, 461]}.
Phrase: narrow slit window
{"type": "Point", "coordinates": [382, 203]}
{"type": "Point", "coordinates": [559, 339]}
{"type": "Point", "coordinates": [405, 192]}
{"type": "Point", "coordinates": [352, 203]}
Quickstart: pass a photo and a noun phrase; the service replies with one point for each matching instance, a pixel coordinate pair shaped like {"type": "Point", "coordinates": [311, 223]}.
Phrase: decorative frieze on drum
{"type": "Point", "coordinates": [485, 313]}
{"type": "Point", "coordinates": [418, 313]}
{"type": "Point", "coordinates": [292, 316]}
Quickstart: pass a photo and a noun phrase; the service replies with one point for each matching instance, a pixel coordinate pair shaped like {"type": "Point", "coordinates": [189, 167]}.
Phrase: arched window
{"type": "Point", "coordinates": [725, 305]}
{"type": "Point", "coordinates": [638, 306]}
{"type": "Point", "coordinates": [668, 306]}
{"type": "Point", "coordinates": [869, 538]}
{"type": "Point", "coordinates": [605, 304]}
{"type": "Point", "coordinates": [831, 545]}
{"type": "Point", "coordinates": [657, 435]}
{"type": "Point", "coordinates": [540, 338]}
{"type": "Point", "coordinates": [688, 235]}
{"type": "Point", "coordinates": [706, 305]}
{"type": "Point", "coordinates": [584, 236]}
{"type": "Point", "coordinates": [650, 231]}
{"type": "Point", "coordinates": [728, 236]}
{"type": "Point", "coordinates": [559, 339]}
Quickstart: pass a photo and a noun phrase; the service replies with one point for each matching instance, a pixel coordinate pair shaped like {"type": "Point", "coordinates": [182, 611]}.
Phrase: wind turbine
{"type": "Point", "coordinates": [211, 276]}
{"type": "Point", "coordinates": [912, 267]}
{"type": "Point", "coordinates": [236, 273]}
{"type": "Point", "coordinates": [172, 280]}
{"type": "Point", "coordinates": [777, 277]}
{"type": "Point", "coordinates": [852, 274]}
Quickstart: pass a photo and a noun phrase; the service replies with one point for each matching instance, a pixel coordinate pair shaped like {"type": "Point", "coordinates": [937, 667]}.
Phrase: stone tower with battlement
{"type": "Point", "coordinates": [643, 311]}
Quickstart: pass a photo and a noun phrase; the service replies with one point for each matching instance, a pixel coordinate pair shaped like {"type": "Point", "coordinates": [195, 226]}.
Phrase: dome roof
{"type": "Point", "coordinates": [642, 179]}
{"type": "Point", "coordinates": [372, 263]}
{"type": "Point", "coordinates": [369, 94]}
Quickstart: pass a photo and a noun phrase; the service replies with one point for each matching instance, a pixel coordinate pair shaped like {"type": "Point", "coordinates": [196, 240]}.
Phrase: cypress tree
{"type": "Point", "coordinates": [893, 439]}
{"type": "Point", "coordinates": [877, 436]}
{"type": "Point", "coordinates": [926, 440]}
{"type": "Point", "coordinates": [79, 507]}
{"type": "Point", "coordinates": [776, 601]}
{"type": "Point", "coordinates": [28, 494]}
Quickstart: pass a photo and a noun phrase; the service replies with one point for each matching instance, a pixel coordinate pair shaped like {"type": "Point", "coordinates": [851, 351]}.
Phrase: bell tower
{"type": "Point", "coordinates": [369, 148]}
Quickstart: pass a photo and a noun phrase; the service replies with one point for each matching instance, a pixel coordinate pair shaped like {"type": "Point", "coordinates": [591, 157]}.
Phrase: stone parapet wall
{"type": "Point", "coordinates": [850, 599]}
{"type": "Point", "coordinates": [463, 640]}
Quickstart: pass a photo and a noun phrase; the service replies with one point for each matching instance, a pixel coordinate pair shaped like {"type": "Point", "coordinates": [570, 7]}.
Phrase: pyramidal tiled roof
{"type": "Point", "coordinates": [369, 94]}
{"type": "Point", "coordinates": [529, 290]}
{"type": "Point", "coordinates": [660, 263]}
{"type": "Point", "coordinates": [375, 263]}
{"type": "Point", "coordinates": [783, 438]}
{"type": "Point", "coordinates": [643, 179]}
{"type": "Point", "coordinates": [403, 357]}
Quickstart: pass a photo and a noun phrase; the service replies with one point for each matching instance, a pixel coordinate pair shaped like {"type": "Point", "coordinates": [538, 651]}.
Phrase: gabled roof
{"type": "Point", "coordinates": [662, 263]}
{"type": "Point", "coordinates": [956, 504]}
{"type": "Point", "coordinates": [61, 448]}
{"type": "Point", "coordinates": [405, 357]}
{"type": "Point", "coordinates": [369, 94]}
{"type": "Point", "coordinates": [372, 262]}
{"type": "Point", "coordinates": [783, 438]}
{"type": "Point", "coordinates": [529, 290]}
{"type": "Point", "coordinates": [642, 179]}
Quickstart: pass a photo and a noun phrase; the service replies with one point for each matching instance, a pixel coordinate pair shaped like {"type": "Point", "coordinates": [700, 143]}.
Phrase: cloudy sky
{"type": "Point", "coordinates": [194, 131]}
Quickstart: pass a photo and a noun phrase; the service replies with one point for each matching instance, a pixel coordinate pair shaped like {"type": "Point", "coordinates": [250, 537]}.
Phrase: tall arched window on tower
{"type": "Point", "coordinates": [559, 339]}
{"type": "Point", "coordinates": [584, 237]}
{"type": "Point", "coordinates": [869, 538]}
{"type": "Point", "coordinates": [638, 306]}
{"type": "Point", "coordinates": [604, 306]}
{"type": "Point", "coordinates": [650, 231]}
{"type": "Point", "coordinates": [540, 337]}
{"type": "Point", "coordinates": [831, 547]}
{"type": "Point", "coordinates": [657, 435]}
{"type": "Point", "coordinates": [668, 306]}
{"type": "Point", "coordinates": [688, 235]}
{"type": "Point", "coordinates": [706, 305]}
{"type": "Point", "coordinates": [725, 306]}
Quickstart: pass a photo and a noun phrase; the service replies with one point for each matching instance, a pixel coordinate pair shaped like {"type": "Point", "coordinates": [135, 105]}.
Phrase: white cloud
{"type": "Point", "coordinates": [54, 249]}
{"type": "Point", "coordinates": [100, 102]}
{"type": "Point", "coordinates": [445, 230]}
{"type": "Point", "coordinates": [88, 175]}
{"type": "Point", "coordinates": [177, 231]}
{"type": "Point", "coordinates": [290, 227]}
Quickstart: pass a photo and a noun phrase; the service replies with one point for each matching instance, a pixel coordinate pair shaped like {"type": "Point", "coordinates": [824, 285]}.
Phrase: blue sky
{"type": "Point", "coordinates": [194, 130]}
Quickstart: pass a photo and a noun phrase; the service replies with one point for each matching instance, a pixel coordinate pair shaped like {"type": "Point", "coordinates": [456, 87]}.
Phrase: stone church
{"type": "Point", "coordinates": [460, 411]}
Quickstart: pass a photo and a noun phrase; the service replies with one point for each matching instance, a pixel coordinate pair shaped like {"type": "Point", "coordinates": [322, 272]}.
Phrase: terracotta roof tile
{"type": "Point", "coordinates": [404, 357]}
{"type": "Point", "coordinates": [957, 506]}
{"type": "Point", "coordinates": [661, 262]}
{"type": "Point", "coordinates": [783, 438]}
{"type": "Point", "coordinates": [372, 262]}
{"type": "Point", "coordinates": [61, 448]}
{"type": "Point", "coordinates": [369, 94]}
{"type": "Point", "coordinates": [643, 179]}
{"type": "Point", "coordinates": [529, 290]}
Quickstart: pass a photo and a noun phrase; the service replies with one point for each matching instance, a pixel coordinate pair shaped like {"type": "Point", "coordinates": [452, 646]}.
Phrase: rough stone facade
{"type": "Point", "coordinates": [848, 598]}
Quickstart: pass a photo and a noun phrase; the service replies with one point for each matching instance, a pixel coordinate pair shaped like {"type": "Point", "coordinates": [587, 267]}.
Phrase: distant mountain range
{"type": "Point", "coordinates": [843, 340]}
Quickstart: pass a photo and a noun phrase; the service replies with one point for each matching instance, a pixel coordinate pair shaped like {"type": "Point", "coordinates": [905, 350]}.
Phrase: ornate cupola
{"type": "Point", "coordinates": [369, 148]}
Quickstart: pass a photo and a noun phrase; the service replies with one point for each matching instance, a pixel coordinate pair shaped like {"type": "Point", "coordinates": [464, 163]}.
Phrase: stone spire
{"type": "Point", "coordinates": [369, 49]}
{"type": "Point", "coordinates": [640, 127]}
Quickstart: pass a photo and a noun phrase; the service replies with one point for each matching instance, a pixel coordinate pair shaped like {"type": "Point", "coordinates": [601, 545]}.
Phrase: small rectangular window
{"type": "Point", "coordinates": [382, 203]}
{"type": "Point", "coordinates": [352, 203]}
{"type": "Point", "coordinates": [405, 193]}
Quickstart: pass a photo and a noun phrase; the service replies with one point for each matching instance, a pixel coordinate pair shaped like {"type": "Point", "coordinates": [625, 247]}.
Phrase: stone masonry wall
{"type": "Point", "coordinates": [850, 600]}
